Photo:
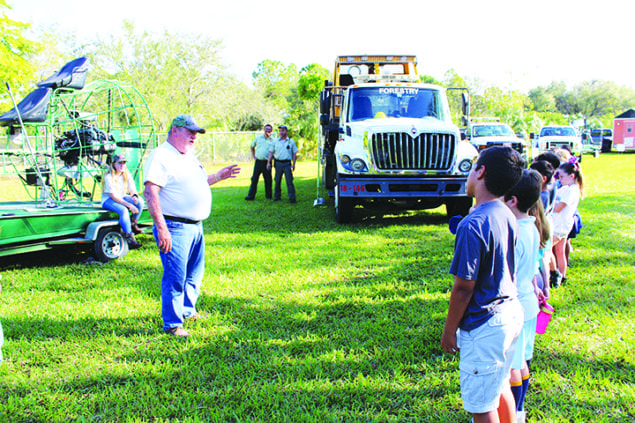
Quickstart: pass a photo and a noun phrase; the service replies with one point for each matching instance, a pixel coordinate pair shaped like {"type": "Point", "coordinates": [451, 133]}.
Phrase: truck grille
{"type": "Point", "coordinates": [401, 151]}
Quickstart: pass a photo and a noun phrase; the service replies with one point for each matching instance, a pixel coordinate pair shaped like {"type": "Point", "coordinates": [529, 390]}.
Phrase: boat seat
{"type": "Point", "coordinates": [33, 108]}
{"type": "Point", "coordinates": [71, 76]}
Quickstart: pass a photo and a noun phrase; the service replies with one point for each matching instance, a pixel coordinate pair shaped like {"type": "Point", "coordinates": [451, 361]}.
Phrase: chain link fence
{"type": "Point", "coordinates": [222, 147]}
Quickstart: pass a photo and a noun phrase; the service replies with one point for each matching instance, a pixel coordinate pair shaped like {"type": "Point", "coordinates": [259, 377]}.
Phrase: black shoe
{"type": "Point", "coordinates": [132, 243]}
{"type": "Point", "coordinates": [276, 199]}
{"type": "Point", "coordinates": [249, 198]}
{"type": "Point", "coordinates": [292, 201]}
{"type": "Point", "coordinates": [555, 279]}
{"type": "Point", "coordinates": [268, 197]}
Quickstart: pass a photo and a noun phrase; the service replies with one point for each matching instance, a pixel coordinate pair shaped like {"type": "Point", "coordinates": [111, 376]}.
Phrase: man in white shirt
{"type": "Point", "coordinates": [179, 199]}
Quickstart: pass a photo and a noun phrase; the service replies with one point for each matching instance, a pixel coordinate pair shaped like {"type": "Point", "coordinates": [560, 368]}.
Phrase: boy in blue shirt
{"type": "Point", "coordinates": [484, 306]}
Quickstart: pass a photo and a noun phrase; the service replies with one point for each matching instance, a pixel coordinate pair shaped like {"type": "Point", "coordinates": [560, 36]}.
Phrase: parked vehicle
{"type": "Point", "coordinates": [603, 137]}
{"type": "Point", "coordinates": [589, 145]}
{"type": "Point", "coordinates": [488, 132]}
{"type": "Point", "coordinates": [386, 138]}
{"type": "Point", "coordinates": [554, 136]}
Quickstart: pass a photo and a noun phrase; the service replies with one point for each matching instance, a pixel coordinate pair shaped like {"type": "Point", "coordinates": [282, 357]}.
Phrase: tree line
{"type": "Point", "coordinates": [185, 73]}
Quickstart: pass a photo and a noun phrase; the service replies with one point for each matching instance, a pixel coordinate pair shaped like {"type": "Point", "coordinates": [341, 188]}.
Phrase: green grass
{"type": "Point", "coordinates": [309, 321]}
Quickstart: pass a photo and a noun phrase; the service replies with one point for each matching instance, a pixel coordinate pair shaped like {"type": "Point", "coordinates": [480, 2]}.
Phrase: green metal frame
{"type": "Point", "coordinates": [63, 196]}
{"type": "Point", "coordinates": [114, 108]}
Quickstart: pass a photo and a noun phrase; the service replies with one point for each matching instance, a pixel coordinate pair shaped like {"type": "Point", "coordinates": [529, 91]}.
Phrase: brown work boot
{"type": "Point", "coordinates": [135, 228]}
{"type": "Point", "coordinates": [132, 243]}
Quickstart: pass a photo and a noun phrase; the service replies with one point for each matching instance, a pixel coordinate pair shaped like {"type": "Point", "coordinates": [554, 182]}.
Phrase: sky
{"type": "Point", "coordinates": [509, 44]}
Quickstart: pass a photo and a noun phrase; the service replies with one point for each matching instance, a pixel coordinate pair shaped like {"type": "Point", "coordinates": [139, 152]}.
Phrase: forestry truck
{"type": "Point", "coordinates": [387, 138]}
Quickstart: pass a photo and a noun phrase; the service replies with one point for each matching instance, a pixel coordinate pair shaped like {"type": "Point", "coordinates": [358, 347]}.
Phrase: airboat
{"type": "Point", "coordinates": [59, 141]}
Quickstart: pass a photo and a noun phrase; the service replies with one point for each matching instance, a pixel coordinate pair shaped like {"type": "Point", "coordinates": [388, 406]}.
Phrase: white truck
{"type": "Point", "coordinates": [554, 136]}
{"type": "Point", "coordinates": [387, 138]}
{"type": "Point", "coordinates": [490, 132]}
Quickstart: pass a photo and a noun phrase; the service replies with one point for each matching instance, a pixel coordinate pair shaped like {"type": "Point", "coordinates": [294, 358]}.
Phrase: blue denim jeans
{"type": "Point", "coordinates": [183, 268]}
{"type": "Point", "coordinates": [122, 211]}
{"type": "Point", "coordinates": [283, 169]}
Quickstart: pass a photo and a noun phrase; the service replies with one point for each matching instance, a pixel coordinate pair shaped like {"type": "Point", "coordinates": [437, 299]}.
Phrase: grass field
{"type": "Point", "coordinates": [309, 321]}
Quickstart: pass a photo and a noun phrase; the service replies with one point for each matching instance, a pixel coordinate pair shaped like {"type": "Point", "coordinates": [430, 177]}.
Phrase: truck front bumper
{"type": "Point", "coordinates": [401, 187]}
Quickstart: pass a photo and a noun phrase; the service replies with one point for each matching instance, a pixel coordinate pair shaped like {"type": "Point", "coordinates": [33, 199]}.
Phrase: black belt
{"type": "Point", "coordinates": [283, 161]}
{"type": "Point", "coordinates": [181, 219]}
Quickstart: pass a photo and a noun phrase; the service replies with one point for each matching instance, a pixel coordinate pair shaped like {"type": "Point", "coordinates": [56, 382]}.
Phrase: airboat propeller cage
{"type": "Point", "coordinates": [74, 127]}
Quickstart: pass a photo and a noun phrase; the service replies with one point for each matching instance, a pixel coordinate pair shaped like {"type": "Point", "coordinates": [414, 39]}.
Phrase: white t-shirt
{"type": "Point", "coordinates": [183, 180]}
{"type": "Point", "coordinates": [527, 247]}
{"type": "Point", "coordinates": [563, 220]}
{"type": "Point", "coordinates": [117, 186]}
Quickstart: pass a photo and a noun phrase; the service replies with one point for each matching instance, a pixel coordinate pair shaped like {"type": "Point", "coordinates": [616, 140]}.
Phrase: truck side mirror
{"type": "Point", "coordinates": [465, 103]}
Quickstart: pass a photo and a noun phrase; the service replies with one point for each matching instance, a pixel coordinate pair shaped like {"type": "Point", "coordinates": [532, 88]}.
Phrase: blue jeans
{"type": "Point", "coordinates": [122, 211]}
{"type": "Point", "coordinates": [183, 268]}
{"type": "Point", "coordinates": [283, 169]}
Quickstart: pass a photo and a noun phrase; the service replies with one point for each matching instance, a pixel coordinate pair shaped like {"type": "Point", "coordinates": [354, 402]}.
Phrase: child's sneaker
{"type": "Point", "coordinates": [521, 416]}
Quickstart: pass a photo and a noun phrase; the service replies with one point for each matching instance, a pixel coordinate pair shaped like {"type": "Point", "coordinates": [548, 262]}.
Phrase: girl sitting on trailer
{"type": "Point", "coordinates": [120, 195]}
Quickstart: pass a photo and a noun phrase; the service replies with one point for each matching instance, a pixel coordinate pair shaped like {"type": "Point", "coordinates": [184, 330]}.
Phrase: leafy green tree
{"type": "Point", "coordinates": [276, 81]}
{"type": "Point", "coordinates": [427, 79]}
{"type": "Point", "coordinates": [543, 100]}
{"type": "Point", "coordinates": [16, 52]}
{"type": "Point", "coordinates": [311, 81]}
{"type": "Point", "coordinates": [176, 73]}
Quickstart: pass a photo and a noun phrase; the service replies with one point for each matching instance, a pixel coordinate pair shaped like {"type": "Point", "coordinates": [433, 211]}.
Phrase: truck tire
{"type": "Point", "coordinates": [606, 146]}
{"type": "Point", "coordinates": [343, 207]}
{"type": "Point", "coordinates": [110, 245]}
{"type": "Point", "coordinates": [458, 206]}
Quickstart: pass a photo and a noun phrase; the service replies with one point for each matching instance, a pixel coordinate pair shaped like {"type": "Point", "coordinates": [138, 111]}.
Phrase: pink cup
{"type": "Point", "coordinates": [544, 316]}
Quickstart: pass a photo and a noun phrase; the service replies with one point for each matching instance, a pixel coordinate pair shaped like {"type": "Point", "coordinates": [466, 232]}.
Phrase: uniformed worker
{"type": "Point", "coordinates": [260, 152]}
{"type": "Point", "coordinates": [284, 151]}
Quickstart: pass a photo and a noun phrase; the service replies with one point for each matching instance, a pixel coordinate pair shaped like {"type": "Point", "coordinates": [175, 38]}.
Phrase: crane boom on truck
{"type": "Point", "coordinates": [387, 138]}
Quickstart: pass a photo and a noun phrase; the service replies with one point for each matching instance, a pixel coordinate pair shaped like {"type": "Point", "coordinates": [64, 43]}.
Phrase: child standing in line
{"type": "Point", "coordinates": [544, 229]}
{"type": "Point", "coordinates": [548, 275]}
{"type": "Point", "coordinates": [569, 196]}
{"type": "Point", "coordinates": [485, 317]}
{"type": "Point", "coordinates": [519, 200]}
{"type": "Point", "coordinates": [551, 187]}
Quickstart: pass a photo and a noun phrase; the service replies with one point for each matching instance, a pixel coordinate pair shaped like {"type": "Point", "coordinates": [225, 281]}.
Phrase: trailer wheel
{"type": "Point", "coordinates": [343, 207]}
{"type": "Point", "coordinates": [110, 245]}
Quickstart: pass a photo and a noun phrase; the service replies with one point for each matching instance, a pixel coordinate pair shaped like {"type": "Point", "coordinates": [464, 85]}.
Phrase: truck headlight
{"type": "Point", "coordinates": [353, 165]}
{"type": "Point", "coordinates": [465, 165]}
{"type": "Point", "coordinates": [358, 165]}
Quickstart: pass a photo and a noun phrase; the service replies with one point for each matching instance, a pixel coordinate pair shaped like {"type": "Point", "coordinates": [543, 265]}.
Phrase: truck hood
{"type": "Point", "coordinates": [414, 126]}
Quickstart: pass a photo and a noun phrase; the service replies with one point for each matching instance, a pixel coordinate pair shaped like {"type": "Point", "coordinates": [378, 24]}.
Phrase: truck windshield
{"type": "Point", "coordinates": [492, 131]}
{"type": "Point", "coordinates": [380, 102]}
{"type": "Point", "coordinates": [557, 132]}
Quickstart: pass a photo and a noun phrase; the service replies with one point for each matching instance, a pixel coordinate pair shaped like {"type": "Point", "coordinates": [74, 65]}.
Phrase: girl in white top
{"type": "Point", "coordinates": [569, 196]}
{"type": "Point", "coordinates": [120, 195]}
